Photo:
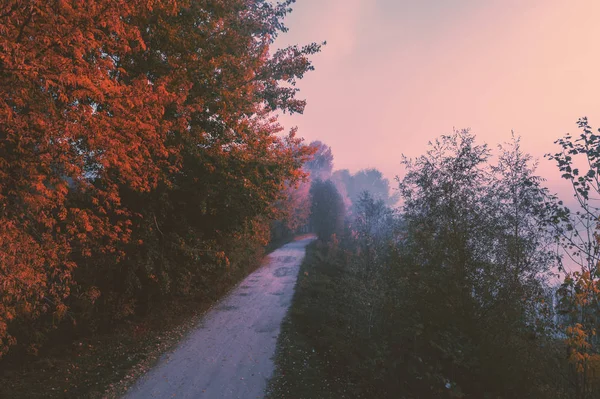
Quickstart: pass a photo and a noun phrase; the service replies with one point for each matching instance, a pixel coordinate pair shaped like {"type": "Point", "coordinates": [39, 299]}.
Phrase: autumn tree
{"type": "Point", "coordinates": [577, 232]}
{"type": "Point", "coordinates": [293, 211]}
{"type": "Point", "coordinates": [139, 155]}
{"type": "Point", "coordinates": [55, 141]}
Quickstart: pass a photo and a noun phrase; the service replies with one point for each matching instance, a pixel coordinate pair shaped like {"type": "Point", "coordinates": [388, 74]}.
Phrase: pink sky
{"type": "Point", "coordinates": [398, 73]}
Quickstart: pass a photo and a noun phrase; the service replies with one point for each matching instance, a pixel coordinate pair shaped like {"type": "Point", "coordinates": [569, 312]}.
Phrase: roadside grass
{"type": "Point", "coordinates": [326, 350]}
{"type": "Point", "coordinates": [106, 365]}
{"type": "Point", "coordinates": [307, 365]}
{"type": "Point", "coordinates": [99, 365]}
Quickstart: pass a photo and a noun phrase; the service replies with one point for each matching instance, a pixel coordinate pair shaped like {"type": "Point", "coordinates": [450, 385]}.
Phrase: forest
{"type": "Point", "coordinates": [461, 291]}
{"type": "Point", "coordinates": [140, 156]}
{"type": "Point", "coordinates": [142, 162]}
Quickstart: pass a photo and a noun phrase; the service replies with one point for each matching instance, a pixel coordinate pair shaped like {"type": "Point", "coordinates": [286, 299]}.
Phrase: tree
{"type": "Point", "coordinates": [55, 140]}
{"type": "Point", "coordinates": [139, 155]}
{"type": "Point", "coordinates": [524, 239]}
{"type": "Point", "coordinates": [327, 209]}
{"type": "Point", "coordinates": [366, 180]}
{"type": "Point", "coordinates": [374, 226]}
{"type": "Point", "coordinates": [473, 274]}
{"type": "Point", "coordinates": [293, 211]}
{"type": "Point", "coordinates": [445, 298]}
{"type": "Point", "coordinates": [321, 164]}
{"type": "Point", "coordinates": [579, 294]}
{"type": "Point", "coordinates": [374, 229]}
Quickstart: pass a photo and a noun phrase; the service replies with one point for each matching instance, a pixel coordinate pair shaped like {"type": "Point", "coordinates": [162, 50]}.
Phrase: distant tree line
{"type": "Point", "coordinates": [334, 194]}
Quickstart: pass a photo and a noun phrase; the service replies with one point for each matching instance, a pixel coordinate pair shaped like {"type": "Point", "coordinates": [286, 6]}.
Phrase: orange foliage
{"type": "Point", "coordinates": [580, 293]}
{"type": "Point", "coordinates": [57, 80]}
{"type": "Point", "coordinates": [101, 100]}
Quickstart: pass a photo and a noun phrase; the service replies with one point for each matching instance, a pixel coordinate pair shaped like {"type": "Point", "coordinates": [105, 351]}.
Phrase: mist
{"type": "Point", "coordinates": [396, 74]}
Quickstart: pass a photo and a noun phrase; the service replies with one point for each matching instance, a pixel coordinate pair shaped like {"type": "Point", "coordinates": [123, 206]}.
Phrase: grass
{"type": "Point", "coordinates": [305, 361]}
{"type": "Point", "coordinates": [326, 349]}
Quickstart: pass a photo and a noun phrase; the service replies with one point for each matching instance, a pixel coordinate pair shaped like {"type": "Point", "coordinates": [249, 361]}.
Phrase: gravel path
{"type": "Point", "coordinates": [229, 354]}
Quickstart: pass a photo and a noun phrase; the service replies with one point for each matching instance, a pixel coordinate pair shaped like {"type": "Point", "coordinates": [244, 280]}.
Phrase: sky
{"type": "Point", "coordinates": [396, 74]}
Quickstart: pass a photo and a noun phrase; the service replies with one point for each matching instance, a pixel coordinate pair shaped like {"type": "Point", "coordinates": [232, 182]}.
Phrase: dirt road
{"type": "Point", "coordinates": [229, 354]}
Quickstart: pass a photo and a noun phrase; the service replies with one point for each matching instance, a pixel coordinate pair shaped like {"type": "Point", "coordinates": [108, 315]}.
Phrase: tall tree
{"type": "Point", "coordinates": [327, 209]}
{"type": "Point", "coordinates": [468, 241]}
{"type": "Point", "coordinates": [139, 132]}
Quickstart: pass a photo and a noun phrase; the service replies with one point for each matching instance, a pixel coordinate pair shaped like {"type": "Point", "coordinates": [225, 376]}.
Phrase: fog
{"type": "Point", "coordinates": [396, 74]}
